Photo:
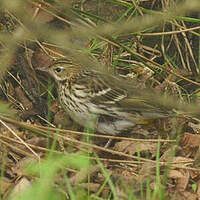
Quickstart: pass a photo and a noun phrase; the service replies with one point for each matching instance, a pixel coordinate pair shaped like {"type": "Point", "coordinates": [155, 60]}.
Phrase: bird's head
{"type": "Point", "coordinates": [61, 70]}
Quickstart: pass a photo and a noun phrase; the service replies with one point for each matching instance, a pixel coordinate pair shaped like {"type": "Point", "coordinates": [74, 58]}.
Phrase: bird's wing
{"type": "Point", "coordinates": [101, 88]}
{"type": "Point", "coordinates": [107, 90]}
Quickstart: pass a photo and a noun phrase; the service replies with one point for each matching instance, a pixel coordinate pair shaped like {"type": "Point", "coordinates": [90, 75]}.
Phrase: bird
{"type": "Point", "coordinates": [103, 101]}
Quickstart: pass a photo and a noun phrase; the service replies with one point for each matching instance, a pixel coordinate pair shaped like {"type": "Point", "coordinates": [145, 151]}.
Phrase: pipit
{"type": "Point", "coordinates": [103, 101]}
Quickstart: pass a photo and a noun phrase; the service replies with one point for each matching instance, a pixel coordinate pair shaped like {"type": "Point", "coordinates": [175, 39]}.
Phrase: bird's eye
{"type": "Point", "coordinates": [58, 69]}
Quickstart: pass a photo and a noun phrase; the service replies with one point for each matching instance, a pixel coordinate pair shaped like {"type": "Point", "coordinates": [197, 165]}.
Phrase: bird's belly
{"type": "Point", "coordinates": [84, 114]}
{"type": "Point", "coordinates": [78, 111]}
{"type": "Point", "coordinates": [107, 127]}
{"type": "Point", "coordinates": [113, 126]}
{"type": "Point", "coordinates": [85, 119]}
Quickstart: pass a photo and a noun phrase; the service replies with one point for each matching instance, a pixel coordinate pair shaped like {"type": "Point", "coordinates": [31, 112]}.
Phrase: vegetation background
{"type": "Point", "coordinates": [152, 43]}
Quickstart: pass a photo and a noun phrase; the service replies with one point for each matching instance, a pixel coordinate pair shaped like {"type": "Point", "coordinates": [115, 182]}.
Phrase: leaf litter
{"type": "Point", "coordinates": [33, 100]}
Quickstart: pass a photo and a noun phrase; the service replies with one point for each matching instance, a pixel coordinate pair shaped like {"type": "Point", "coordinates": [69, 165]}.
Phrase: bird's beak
{"type": "Point", "coordinates": [42, 69]}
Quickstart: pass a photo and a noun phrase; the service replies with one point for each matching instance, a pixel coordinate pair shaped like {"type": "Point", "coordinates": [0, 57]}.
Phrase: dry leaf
{"type": "Point", "coordinates": [5, 184]}
{"type": "Point", "coordinates": [23, 99]}
{"type": "Point", "coordinates": [189, 195]}
{"type": "Point", "coordinates": [182, 178]}
{"type": "Point", "coordinates": [182, 195]}
{"type": "Point", "coordinates": [41, 59]}
{"type": "Point", "coordinates": [179, 162]}
{"type": "Point", "coordinates": [131, 147]}
{"type": "Point", "coordinates": [168, 155]}
{"type": "Point", "coordinates": [198, 189]}
{"type": "Point", "coordinates": [189, 140]}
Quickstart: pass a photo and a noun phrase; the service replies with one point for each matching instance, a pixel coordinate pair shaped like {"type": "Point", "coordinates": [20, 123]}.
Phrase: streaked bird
{"type": "Point", "coordinates": [103, 101]}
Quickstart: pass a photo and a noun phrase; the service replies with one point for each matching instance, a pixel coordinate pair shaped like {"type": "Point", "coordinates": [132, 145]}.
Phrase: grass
{"type": "Point", "coordinates": [160, 35]}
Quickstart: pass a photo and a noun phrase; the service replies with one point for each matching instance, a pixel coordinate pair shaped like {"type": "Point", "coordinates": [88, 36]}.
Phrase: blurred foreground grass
{"type": "Point", "coordinates": [153, 41]}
